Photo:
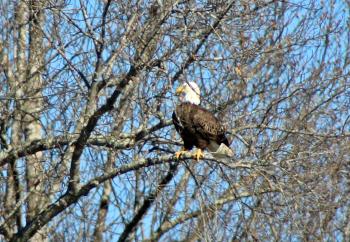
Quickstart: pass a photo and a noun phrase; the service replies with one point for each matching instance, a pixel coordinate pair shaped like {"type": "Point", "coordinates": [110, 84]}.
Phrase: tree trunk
{"type": "Point", "coordinates": [32, 107]}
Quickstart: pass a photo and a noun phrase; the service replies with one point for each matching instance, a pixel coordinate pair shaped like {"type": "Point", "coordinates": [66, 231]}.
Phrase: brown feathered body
{"type": "Point", "coordinates": [198, 127]}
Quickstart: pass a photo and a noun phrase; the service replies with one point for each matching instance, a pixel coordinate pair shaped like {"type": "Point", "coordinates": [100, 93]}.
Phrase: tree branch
{"type": "Point", "coordinates": [70, 198]}
{"type": "Point", "coordinates": [122, 142]}
{"type": "Point", "coordinates": [228, 196]}
{"type": "Point", "coordinates": [130, 227]}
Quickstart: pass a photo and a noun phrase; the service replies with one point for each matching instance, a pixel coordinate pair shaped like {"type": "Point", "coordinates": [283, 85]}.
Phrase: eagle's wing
{"type": "Point", "coordinates": [181, 116]}
{"type": "Point", "coordinates": [177, 123]}
{"type": "Point", "coordinates": [207, 125]}
{"type": "Point", "coordinates": [182, 125]}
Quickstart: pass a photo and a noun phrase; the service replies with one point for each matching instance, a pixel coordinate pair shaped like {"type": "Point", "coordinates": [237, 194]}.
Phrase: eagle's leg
{"type": "Point", "coordinates": [198, 154]}
{"type": "Point", "coordinates": [178, 154]}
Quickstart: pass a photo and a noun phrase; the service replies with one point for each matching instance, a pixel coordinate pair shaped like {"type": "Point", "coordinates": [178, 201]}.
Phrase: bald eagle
{"type": "Point", "coordinates": [196, 125]}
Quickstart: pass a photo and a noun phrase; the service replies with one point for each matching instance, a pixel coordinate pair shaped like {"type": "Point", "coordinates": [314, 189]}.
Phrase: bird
{"type": "Point", "coordinates": [197, 126]}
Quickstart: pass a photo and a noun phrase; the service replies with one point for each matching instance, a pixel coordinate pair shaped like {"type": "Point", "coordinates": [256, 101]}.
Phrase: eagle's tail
{"type": "Point", "coordinates": [223, 152]}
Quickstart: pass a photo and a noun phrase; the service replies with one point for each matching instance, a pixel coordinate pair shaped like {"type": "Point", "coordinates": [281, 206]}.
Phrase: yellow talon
{"type": "Point", "coordinates": [198, 154]}
{"type": "Point", "coordinates": [178, 154]}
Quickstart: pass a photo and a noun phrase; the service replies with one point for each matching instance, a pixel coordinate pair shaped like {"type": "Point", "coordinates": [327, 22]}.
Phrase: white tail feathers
{"type": "Point", "coordinates": [222, 152]}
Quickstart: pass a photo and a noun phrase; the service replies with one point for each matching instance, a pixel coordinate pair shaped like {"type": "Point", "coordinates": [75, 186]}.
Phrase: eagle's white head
{"type": "Point", "coordinates": [189, 92]}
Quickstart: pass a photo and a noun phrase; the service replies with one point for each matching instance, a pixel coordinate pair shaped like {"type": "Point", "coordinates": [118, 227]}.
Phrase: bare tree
{"type": "Point", "coordinates": [86, 139]}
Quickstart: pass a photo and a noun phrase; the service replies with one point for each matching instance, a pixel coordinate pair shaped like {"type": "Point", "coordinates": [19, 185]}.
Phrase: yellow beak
{"type": "Point", "coordinates": [179, 90]}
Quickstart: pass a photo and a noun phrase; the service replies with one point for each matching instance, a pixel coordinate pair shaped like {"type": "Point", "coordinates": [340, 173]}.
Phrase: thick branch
{"type": "Point", "coordinates": [91, 124]}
